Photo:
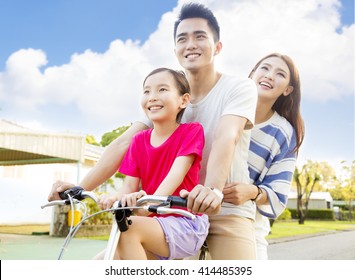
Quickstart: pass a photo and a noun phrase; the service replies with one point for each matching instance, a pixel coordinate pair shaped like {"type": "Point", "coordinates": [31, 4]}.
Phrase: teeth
{"type": "Point", "coordinates": [153, 108]}
{"type": "Point", "coordinates": [193, 55]}
{"type": "Point", "coordinates": [266, 84]}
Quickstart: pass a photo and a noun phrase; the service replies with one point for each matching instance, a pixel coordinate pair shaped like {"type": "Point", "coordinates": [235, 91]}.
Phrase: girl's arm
{"type": "Point", "coordinates": [176, 175]}
{"type": "Point", "coordinates": [172, 181]}
{"type": "Point", "coordinates": [129, 191]}
{"type": "Point", "coordinates": [130, 185]}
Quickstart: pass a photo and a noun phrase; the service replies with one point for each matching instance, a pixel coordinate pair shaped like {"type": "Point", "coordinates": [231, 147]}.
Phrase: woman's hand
{"type": "Point", "coordinates": [238, 193]}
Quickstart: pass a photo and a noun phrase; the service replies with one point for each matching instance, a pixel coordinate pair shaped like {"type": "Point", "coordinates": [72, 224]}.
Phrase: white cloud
{"type": "Point", "coordinates": [107, 86]}
{"type": "Point", "coordinates": [23, 80]}
{"type": "Point", "coordinates": [305, 30]}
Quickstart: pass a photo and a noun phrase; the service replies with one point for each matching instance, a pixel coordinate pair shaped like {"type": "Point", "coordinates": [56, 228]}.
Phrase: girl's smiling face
{"type": "Point", "coordinates": [161, 100]}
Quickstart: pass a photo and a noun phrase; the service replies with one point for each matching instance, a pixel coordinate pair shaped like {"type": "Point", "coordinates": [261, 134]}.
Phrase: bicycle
{"type": "Point", "coordinates": [121, 214]}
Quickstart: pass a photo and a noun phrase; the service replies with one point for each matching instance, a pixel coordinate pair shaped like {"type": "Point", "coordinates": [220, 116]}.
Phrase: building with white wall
{"type": "Point", "coordinates": [318, 200]}
{"type": "Point", "coordinates": [30, 161]}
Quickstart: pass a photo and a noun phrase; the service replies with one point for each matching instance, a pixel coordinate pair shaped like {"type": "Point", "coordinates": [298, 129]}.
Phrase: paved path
{"type": "Point", "coordinates": [331, 246]}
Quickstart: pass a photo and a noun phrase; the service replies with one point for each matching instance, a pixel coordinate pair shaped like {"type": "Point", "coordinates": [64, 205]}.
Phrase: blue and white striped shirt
{"type": "Point", "coordinates": [272, 162]}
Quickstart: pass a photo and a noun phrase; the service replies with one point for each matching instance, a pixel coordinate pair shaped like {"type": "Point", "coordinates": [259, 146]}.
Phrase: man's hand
{"type": "Point", "coordinates": [57, 187]}
{"type": "Point", "coordinates": [202, 200]}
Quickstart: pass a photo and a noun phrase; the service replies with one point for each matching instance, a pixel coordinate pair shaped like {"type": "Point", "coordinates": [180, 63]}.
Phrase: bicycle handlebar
{"type": "Point", "coordinates": [170, 200]}
{"type": "Point", "coordinates": [78, 193]}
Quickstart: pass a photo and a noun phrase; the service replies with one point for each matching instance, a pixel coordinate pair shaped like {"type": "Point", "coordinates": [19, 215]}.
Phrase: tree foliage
{"type": "Point", "coordinates": [345, 186]}
{"type": "Point", "coordinates": [312, 176]}
{"type": "Point", "coordinates": [90, 139]}
{"type": "Point", "coordinates": [108, 137]}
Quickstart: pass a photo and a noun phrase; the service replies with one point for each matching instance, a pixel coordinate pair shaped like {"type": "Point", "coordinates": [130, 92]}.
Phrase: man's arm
{"type": "Point", "coordinates": [202, 199]}
{"type": "Point", "coordinates": [107, 165]}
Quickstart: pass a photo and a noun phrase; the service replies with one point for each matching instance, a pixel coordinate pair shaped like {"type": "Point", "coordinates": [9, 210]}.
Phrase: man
{"type": "Point", "coordinates": [225, 106]}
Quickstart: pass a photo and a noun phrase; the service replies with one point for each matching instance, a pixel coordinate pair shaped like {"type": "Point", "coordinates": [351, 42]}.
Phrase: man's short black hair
{"type": "Point", "coordinates": [196, 10]}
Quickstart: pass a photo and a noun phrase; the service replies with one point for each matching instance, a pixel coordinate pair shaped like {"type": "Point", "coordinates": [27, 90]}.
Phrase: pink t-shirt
{"type": "Point", "coordinates": [152, 164]}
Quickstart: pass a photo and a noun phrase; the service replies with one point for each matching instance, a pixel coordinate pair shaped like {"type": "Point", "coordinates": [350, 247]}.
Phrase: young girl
{"type": "Point", "coordinates": [164, 160]}
{"type": "Point", "coordinates": [275, 140]}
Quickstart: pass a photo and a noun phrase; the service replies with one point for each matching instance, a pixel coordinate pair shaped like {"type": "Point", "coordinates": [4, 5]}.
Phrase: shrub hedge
{"type": "Point", "coordinates": [315, 214]}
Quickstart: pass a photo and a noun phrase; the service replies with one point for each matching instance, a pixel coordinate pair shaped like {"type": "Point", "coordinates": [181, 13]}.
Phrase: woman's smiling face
{"type": "Point", "coordinates": [272, 78]}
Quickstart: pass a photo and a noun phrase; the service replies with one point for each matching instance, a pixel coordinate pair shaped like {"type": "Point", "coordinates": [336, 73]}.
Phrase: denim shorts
{"type": "Point", "coordinates": [184, 236]}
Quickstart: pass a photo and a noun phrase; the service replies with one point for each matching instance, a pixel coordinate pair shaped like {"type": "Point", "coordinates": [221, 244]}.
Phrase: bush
{"type": "Point", "coordinates": [315, 214]}
{"type": "Point", "coordinates": [346, 216]}
{"type": "Point", "coordinates": [285, 215]}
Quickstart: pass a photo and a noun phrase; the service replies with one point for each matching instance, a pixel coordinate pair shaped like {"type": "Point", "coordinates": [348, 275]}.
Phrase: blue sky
{"type": "Point", "coordinates": [77, 66]}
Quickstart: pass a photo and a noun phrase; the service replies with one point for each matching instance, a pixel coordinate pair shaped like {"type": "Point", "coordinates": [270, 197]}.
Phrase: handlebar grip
{"type": "Point", "coordinates": [63, 195]}
{"type": "Point", "coordinates": [74, 192]}
{"type": "Point", "coordinates": [177, 201]}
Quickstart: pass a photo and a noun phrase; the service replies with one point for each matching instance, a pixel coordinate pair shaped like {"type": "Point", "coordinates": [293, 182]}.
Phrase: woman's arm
{"type": "Point", "coordinates": [274, 184]}
{"type": "Point", "coordinates": [239, 193]}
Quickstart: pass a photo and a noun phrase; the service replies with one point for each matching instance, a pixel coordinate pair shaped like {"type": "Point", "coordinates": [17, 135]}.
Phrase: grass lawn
{"type": "Point", "coordinates": [292, 228]}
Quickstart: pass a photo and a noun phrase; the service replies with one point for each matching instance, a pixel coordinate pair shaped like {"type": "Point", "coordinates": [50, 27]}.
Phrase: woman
{"type": "Point", "coordinates": [275, 141]}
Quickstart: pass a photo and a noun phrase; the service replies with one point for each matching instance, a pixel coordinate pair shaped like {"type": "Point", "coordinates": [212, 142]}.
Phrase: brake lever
{"type": "Point", "coordinates": [164, 210]}
{"type": "Point", "coordinates": [86, 194]}
{"type": "Point", "coordinates": [58, 202]}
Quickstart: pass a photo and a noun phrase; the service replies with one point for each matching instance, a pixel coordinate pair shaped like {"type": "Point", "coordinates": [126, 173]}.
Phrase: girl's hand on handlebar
{"type": "Point", "coordinates": [106, 201]}
{"type": "Point", "coordinates": [131, 198]}
{"type": "Point", "coordinates": [57, 187]}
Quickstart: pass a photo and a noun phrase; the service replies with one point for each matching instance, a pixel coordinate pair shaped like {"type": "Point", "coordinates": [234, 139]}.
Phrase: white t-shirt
{"type": "Point", "coordinates": [230, 96]}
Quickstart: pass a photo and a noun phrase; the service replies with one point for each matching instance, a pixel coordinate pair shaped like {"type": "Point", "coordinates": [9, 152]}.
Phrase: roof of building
{"type": "Point", "coordinates": [20, 145]}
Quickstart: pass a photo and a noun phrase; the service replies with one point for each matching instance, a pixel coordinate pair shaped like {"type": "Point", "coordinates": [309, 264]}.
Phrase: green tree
{"type": "Point", "coordinates": [337, 192]}
{"type": "Point", "coordinates": [311, 177]}
{"type": "Point", "coordinates": [91, 140]}
{"type": "Point", "coordinates": [347, 184]}
{"type": "Point", "coordinates": [108, 137]}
